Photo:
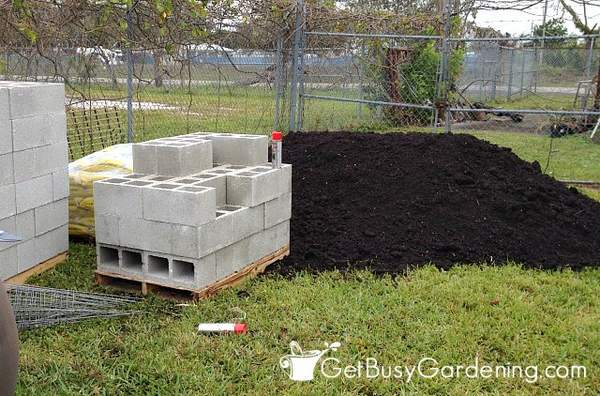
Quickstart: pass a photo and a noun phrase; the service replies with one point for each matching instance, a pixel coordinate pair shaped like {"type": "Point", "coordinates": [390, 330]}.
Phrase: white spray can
{"type": "Point", "coordinates": [276, 149]}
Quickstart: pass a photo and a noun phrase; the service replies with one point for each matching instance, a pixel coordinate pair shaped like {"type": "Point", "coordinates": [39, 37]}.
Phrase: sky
{"type": "Point", "coordinates": [518, 22]}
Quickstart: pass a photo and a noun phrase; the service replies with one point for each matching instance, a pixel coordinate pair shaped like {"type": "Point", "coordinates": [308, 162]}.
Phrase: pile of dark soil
{"type": "Point", "coordinates": [390, 201]}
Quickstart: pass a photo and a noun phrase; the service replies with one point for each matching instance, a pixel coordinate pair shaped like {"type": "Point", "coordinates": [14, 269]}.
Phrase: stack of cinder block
{"type": "Point", "coordinates": [34, 181]}
{"type": "Point", "coordinates": [197, 209]}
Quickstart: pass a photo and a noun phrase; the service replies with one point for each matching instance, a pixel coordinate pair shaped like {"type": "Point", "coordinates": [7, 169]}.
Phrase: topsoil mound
{"type": "Point", "coordinates": [389, 201]}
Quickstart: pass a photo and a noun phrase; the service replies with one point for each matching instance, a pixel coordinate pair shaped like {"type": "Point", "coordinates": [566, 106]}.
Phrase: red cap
{"type": "Point", "coordinates": [240, 328]}
{"type": "Point", "coordinates": [277, 136]}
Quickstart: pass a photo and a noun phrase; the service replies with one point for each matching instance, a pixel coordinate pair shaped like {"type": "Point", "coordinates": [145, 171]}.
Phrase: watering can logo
{"type": "Point", "coordinates": [300, 365]}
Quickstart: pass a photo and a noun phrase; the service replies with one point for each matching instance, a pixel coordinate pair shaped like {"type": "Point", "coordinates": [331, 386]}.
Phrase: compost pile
{"type": "Point", "coordinates": [391, 201]}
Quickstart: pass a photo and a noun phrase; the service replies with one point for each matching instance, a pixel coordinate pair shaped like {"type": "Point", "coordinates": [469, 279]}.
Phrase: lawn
{"type": "Point", "coordinates": [500, 315]}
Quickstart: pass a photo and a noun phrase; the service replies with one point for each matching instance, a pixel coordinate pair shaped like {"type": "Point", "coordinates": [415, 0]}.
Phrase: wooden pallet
{"type": "Point", "coordinates": [21, 278]}
{"type": "Point", "coordinates": [137, 284]}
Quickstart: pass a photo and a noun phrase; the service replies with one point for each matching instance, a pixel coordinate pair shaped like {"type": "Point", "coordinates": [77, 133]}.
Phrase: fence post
{"type": "Point", "coordinates": [522, 71]}
{"type": "Point", "coordinates": [300, 111]}
{"type": "Point", "coordinates": [129, 76]}
{"type": "Point", "coordinates": [445, 63]}
{"type": "Point", "coordinates": [510, 74]}
{"type": "Point", "coordinates": [294, 83]}
{"type": "Point", "coordinates": [496, 71]}
{"type": "Point", "coordinates": [278, 81]}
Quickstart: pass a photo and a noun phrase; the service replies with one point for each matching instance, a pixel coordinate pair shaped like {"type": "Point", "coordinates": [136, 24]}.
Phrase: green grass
{"type": "Point", "coordinates": [499, 314]}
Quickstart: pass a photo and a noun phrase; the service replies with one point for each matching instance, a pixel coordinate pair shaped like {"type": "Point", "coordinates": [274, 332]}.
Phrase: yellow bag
{"type": "Point", "coordinates": [114, 161]}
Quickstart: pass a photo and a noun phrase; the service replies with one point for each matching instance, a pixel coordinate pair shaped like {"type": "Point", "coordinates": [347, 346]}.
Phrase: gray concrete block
{"type": "Point", "coordinates": [33, 193]}
{"type": "Point", "coordinates": [185, 158]}
{"type": "Point", "coordinates": [24, 165]}
{"type": "Point", "coordinates": [25, 223]}
{"type": "Point", "coordinates": [51, 158]}
{"type": "Point", "coordinates": [184, 240]}
{"type": "Point", "coordinates": [144, 158]}
{"type": "Point", "coordinates": [6, 145]}
{"type": "Point", "coordinates": [27, 255]}
{"type": "Point", "coordinates": [256, 186]}
{"type": "Point", "coordinates": [239, 149]}
{"type": "Point", "coordinates": [51, 216]}
{"type": "Point", "coordinates": [9, 225]}
{"type": "Point", "coordinates": [205, 271]}
{"type": "Point", "coordinates": [269, 240]}
{"type": "Point", "coordinates": [278, 210]}
{"type": "Point", "coordinates": [107, 257]}
{"type": "Point", "coordinates": [38, 130]}
{"type": "Point", "coordinates": [131, 261]}
{"type": "Point", "coordinates": [60, 183]}
{"type": "Point", "coordinates": [119, 197]}
{"type": "Point", "coordinates": [52, 243]}
{"type": "Point", "coordinates": [6, 169]}
{"type": "Point", "coordinates": [216, 181]}
{"type": "Point", "coordinates": [28, 98]}
{"type": "Point", "coordinates": [107, 229]}
{"type": "Point", "coordinates": [40, 161]}
{"type": "Point", "coordinates": [8, 205]}
{"type": "Point", "coordinates": [8, 263]}
{"type": "Point", "coordinates": [145, 234]}
{"type": "Point", "coordinates": [173, 203]}
{"type": "Point", "coordinates": [156, 267]}
{"type": "Point", "coordinates": [233, 258]}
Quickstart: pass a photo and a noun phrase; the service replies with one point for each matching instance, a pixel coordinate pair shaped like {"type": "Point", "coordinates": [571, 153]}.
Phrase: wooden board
{"type": "Point", "coordinates": [21, 278]}
{"type": "Point", "coordinates": [140, 285]}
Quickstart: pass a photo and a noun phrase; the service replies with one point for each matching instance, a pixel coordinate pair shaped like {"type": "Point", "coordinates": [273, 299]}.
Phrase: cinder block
{"type": "Point", "coordinates": [171, 157]}
{"type": "Point", "coordinates": [39, 161]}
{"type": "Point", "coordinates": [107, 229]}
{"type": "Point", "coordinates": [278, 210]}
{"type": "Point", "coordinates": [156, 266]}
{"type": "Point", "coordinates": [24, 165]}
{"type": "Point", "coordinates": [107, 257]}
{"type": "Point", "coordinates": [8, 263]}
{"type": "Point", "coordinates": [181, 159]}
{"type": "Point", "coordinates": [119, 197]}
{"type": "Point", "coordinates": [206, 271]}
{"type": "Point", "coordinates": [256, 186]}
{"type": "Point", "coordinates": [8, 205]}
{"type": "Point", "coordinates": [26, 255]}
{"type": "Point", "coordinates": [184, 240]}
{"type": "Point", "coordinates": [216, 181]}
{"type": "Point", "coordinates": [6, 169]}
{"type": "Point", "coordinates": [9, 225]}
{"type": "Point", "coordinates": [173, 203]}
{"type": "Point", "coordinates": [26, 224]}
{"type": "Point", "coordinates": [60, 183]}
{"type": "Point", "coordinates": [145, 234]}
{"type": "Point", "coordinates": [233, 223]}
{"type": "Point", "coordinates": [50, 158]}
{"type": "Point", "coordinates": [144, 158]}
{"type": "Point", "coordinates": [233, 258]}
{"type": "Point", "coordinates": [38, 130]}
{"type": "Point", "coordinates": [6, 145]}
{"type": "Point", "coordinates": [239, 149]}
{"type": "Point", "coordinates": [27, 98]}
{"type": "Point", "coordinates": [131, 261]}
{"type": "Point", "coordinates": [33, 193]}
{"type": "Point", "coordinates": [52, 243]}
{"type": "Point", "coordinates": [269, 240]}
{"type": "Point", "coordinates": [51, 216]}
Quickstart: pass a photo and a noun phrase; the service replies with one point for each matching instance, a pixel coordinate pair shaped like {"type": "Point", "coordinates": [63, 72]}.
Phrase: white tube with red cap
{"type": "Point", "coordinates": [276, 149]}
{"type": "Point", "coordinates": [236, 328]}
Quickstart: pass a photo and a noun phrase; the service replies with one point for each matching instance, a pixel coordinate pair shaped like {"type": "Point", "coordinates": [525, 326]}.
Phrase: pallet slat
{"type": "Point", "coordinates": [179, 293]}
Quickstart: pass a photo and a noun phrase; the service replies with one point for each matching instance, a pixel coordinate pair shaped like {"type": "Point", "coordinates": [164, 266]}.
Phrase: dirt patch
{"type": "Point", "coordinates": [390, 201]}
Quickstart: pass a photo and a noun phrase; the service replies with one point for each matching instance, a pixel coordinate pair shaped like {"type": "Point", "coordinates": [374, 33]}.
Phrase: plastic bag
{"type": "Point", "coordinates": [114, 161]}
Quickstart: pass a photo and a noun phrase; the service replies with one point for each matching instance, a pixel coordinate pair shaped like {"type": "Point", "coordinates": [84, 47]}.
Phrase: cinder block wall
{"type": "Point", "coordinates": [34, 182]}
{"type": "Point", "coordinates": [199, 208]}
